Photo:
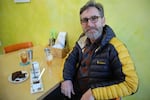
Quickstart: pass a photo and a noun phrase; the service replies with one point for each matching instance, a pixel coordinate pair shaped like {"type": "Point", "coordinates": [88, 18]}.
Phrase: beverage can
{"type": "Point", "coordinates": [47, 51]}
{"type": "Point", "coordinates": [30, 54]}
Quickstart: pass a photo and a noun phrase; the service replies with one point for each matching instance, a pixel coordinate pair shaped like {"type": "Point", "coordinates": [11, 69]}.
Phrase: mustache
{"type": "Point", "coordinates": [90, 29]}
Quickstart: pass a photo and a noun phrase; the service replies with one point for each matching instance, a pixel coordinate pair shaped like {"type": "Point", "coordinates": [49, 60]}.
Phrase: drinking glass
{"type": "Point", "coordinates": [23, 57]}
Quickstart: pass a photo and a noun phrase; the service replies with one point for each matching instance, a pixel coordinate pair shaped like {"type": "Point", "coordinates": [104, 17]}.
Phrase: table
{"type": "Point", "coordinates": [10, 63]}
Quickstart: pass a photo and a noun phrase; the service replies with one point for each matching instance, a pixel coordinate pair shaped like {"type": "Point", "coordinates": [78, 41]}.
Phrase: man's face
{"type": "Point", "coordinates": [92, 23]}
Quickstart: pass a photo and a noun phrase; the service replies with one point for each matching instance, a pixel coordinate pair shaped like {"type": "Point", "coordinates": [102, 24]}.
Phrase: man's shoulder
{"type": "Point", "coordinates": [116, 42]}
{"type": "Point", "coordinates": [118, 45]}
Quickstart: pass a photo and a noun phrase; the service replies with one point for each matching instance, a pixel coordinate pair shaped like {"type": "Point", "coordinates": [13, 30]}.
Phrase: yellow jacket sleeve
{"type": "Point", "coordinates": [127, 87]}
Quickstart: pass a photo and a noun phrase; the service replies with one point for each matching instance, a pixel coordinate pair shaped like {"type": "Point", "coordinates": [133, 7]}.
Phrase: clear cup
{"type": "Point", "coordinates": [49, 59]}
{"type": "Point", "coordinates": [23, 57]}
{"type": "Point", "coordinates": [49, 56]}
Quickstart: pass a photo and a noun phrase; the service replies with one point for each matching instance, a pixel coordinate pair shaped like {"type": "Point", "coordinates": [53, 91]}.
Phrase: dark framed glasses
{"type": "Point", "coordinates": [93, 19]}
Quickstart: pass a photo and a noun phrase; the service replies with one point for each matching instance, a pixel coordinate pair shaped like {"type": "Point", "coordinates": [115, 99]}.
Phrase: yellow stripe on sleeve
{"type": "Point", "coordinates": [130, 84]}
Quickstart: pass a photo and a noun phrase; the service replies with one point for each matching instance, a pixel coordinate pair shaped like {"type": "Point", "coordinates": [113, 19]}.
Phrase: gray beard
{"type": "Point", "coordinates": [94, 36]}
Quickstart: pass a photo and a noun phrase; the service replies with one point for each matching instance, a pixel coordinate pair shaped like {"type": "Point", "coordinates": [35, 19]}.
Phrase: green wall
{"type": "Point", "coordinates": [33, 22]}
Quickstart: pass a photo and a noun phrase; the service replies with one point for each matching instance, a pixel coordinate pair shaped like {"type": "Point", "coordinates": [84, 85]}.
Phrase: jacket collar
{"type": "Point", "coordinates": [106, 36]}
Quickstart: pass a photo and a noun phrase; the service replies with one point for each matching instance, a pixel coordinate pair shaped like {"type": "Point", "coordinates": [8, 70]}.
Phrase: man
{"type": "Point", "coordinates": [99, 66]}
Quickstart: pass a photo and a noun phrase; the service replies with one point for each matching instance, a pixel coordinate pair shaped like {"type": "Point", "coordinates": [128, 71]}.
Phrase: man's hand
{"type": "Point", "coordinates": [67, 88]}
{"type": "Point", "coordinates": [87, 95]}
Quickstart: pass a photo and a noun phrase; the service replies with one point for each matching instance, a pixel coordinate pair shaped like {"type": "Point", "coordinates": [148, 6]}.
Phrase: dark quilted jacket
{"type": "Point", "coordinates": [106, 67]}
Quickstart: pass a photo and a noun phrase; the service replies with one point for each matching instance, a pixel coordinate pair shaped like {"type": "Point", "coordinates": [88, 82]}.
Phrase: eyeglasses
{"type": "Point", "coordinates": [93, 19]}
